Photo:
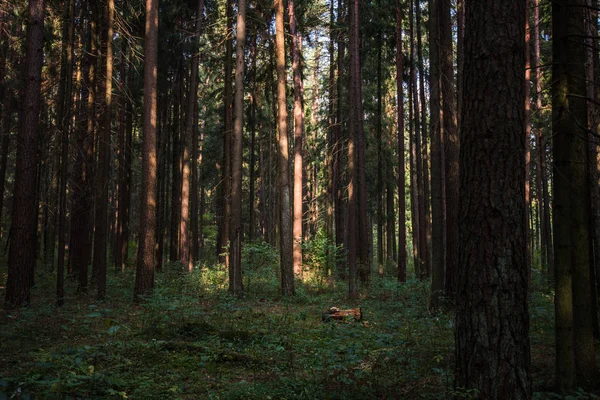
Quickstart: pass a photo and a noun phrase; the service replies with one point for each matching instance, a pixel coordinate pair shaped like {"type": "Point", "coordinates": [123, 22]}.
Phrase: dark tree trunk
{"type": "Point", "coordinates": [82, 203]}
{"type": "Point", "coordinates": [236, 230]}
{"type": "Point", "coordinates": [451, 147]}
{"type": "Point", "coordinates": [102, 172]}
{"type": "Point", "coordinates": [285, 206]}
{"type": "Point", "coordinates": [438, 244]}
{"type": "Point", "coordinates": [339, 205]}
{"type": "Point", "coordinates": [65, 123]}
{"type": "Point", "coordinates": [144, 278]}
{"type": "Point", "coordinates": [492, 319]}
{"type": "Point", "coordinates": [401, 169]}
{"type": "Point", "coordinates": [575, 354]}
{"type": "Point", "coordinates": [176, 169]}
{"type": "Point", "coordinates": [224, 234]}
{"type": "Point", "coordinates": [21, 254]}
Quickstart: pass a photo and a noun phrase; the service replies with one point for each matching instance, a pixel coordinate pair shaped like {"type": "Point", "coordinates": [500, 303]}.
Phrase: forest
{"type": "Point", "coordinates": [299, 199]}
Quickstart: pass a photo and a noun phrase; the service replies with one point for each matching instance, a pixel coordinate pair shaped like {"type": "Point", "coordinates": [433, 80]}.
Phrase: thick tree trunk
{"type": "Point", "coordinates": [144, 278]}
{"type": "Point", "coordinates": [236, 230]}
{"type": "Point", "coordinates": [380, 156]}
{"type": "Point", "coordinates": [21, 254]}
{"type": "Point", "coordinates": [492, 319]}
{"type": "Point", "coordinates": [176, 169]}
{"type": "Point", "coordinates": [285, 217]}
{"type": "Point", "coordinates": [576, 361]}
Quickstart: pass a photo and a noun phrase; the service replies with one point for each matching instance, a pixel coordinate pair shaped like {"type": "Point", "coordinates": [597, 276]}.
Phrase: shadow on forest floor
{"type": "Point", "coordinates": [191, 340]}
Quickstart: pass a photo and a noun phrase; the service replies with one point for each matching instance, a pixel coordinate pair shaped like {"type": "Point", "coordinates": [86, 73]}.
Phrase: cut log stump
{"type": "Point", "coordinates": [336, 314]}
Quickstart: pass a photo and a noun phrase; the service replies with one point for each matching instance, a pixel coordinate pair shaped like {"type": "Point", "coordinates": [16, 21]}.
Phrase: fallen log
{"type": "Point", "coordinates": [336, 314]}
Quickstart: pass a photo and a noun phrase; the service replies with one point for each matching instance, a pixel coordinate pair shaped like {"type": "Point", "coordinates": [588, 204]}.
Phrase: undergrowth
{"type": "Point", "coordinates": [192, 340]}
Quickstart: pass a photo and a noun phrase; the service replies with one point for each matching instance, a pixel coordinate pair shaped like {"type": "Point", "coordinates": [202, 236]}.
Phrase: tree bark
{"type": "Point", "coordinates": [298, 137]}
{"type": "Point", "coordinates": [184, 222]}
{"type": "Point", "coordinates": [451, 147]}
{"type": "Point", "coordinates": [224, 238]}
{"type": "Point", "coordinates": [575, 354]}
{"type": "Point", "coordinates": [64, 173]}
{"type": "Point", "coordinates": [401, 168]}
{"type": "Point", "coordinates": [144, 279]}
{"type": "Point", "coordinates": [235, 230]}
{"type": "Point", "coordinates": [285, 217]}
{"type": "Point", "coordinates": [22, 252]}
{"type": "Point", "coordinates": [102, 171]}
{"type": "Point", "coordinates": [492, 319]}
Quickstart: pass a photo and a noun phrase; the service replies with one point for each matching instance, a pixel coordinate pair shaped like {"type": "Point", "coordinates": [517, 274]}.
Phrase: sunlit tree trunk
{"type": "Point", "coordinates": [298, 137]}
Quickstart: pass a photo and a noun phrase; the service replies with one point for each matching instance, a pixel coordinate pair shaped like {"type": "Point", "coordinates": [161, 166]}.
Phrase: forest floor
{"type": "Point", "coordinates": [192, 340]}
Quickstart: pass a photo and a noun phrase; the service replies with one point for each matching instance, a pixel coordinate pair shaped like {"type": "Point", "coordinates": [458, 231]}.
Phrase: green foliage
{"type": "Point", "coordinates": [260, 266]}
{"type": "Point", "coordinates": [320, 255]}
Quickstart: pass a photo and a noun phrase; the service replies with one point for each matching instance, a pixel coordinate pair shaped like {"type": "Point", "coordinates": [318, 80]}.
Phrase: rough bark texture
{"type": "Point", "coordinates": [184, 223]}
{"type": "Point", "coordinates": [236, 230]}
{"type": "Point", "coordinates": [401, 172]}
{"type": "Point", "coordinates": [144, 277]}
{"type": "Point", "coordinates": [64, 172]}
{"type": "Point", "coordinates": [492, 320]}
{"type": "Point", "coordinates": [285, 216]}
{"type": "Point", "coordinates": [575, 355]}
{"type": "Point", "coordinates": [82, 201]}
{"type": "Point", "coordinates": [224, 238]}
{"type": "Point", "coordinates": [451, 147]}
{"type": "Point", "coordinates": [101, 218]}
{"type": "Point", "coordinates": [356, 119]}
{"type": "Point", "coordinates": [298, 134]}
{"type": "Point", "coordinates": [438, 245]}
{"type": "Point", "coordinates": [21, 254]}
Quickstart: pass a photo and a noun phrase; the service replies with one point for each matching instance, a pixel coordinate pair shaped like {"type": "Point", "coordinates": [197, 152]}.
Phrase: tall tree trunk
{"type": "Point", "coordinates": [254, 93]}
{"type": "Point", "coordinates": [544, 195]}
{"type": "Point", "coordinates": [176, 167]}
{"type": "Point", "coordinates": [64, 173]}
{"type": "Point", "coordinates": [575, 354]}
{"type": "Point", "coordinates": [82, 205]}
{"type": "Point", "coordinates": [144, 278]}
{"type": "Point", "coordinates": [21, 254]}
{"type": "Point", "coordinates": [438, 244]}
{"type": "Point", "coordinates": [102, 171]}
{"type": "Point", "coordinates": [298, 134]}
{"type": "Point", "coordinates": [413, 114]}
{"type": "Point", "coordinates": [285, 217]}
{"type": "Point", "coordinates": [401, 168]}
{"type": "Point", "coordinates": [236, 231]}
{"type": "Point", "coordinates": [6, 111]}
{"type": "Point", "coordinates": [224, 237]}
{"type": "Point", "coordinates": [339, 204]}
{"type": "Point", "coordinates": [356, 119]}
{"type": "Point", "coordinates": [492, 318]}
{"type": "Point", "coordinates": [380, 156]}
{"type": "Point", "coordinates": [451, 147]}
{"type": "Point", "coordinates": [423, 187]}
{"type": "Point", "coordinates": [184, 255]}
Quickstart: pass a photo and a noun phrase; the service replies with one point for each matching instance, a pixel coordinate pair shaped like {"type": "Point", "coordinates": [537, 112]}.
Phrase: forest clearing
{"type": "Point", "coordinates": [193, 340]}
